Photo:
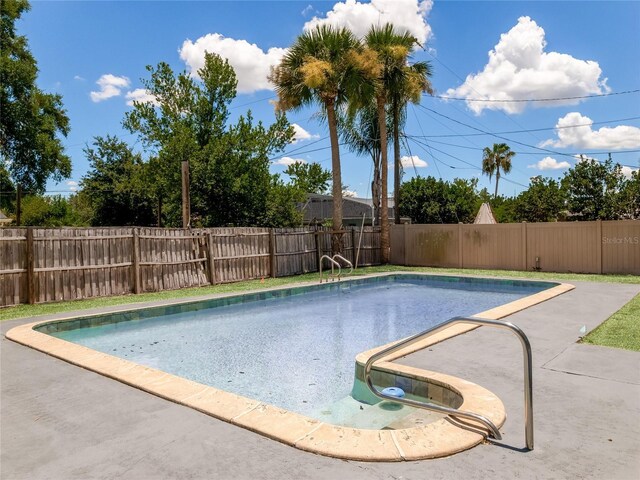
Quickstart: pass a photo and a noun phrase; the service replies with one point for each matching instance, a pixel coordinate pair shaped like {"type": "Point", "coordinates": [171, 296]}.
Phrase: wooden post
{"type": "Point", "coordinates": [135, 260]}
{"type": "Point", "coordinates": [212, 269]}
{"type": "Point", "coordinates": [318, 249]}
{"type": "Point", "coordinates": [599, 250]}
{"type": "Point", "coordinates": [353, 246]}
{"type": "Point", "coordinates": [460, 247]}
{"type": "Point", "coordinates": [524, 246]}
{"type": "Point", "coordinates": [272, 253]}
{"type": "Point", "coordinates": [31, 267]}
{"type": "Point", "coordinates": [186, 202]}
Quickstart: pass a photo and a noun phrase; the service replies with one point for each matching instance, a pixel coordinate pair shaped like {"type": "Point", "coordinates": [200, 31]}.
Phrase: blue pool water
{"type": "Point", "coordinates": [296, 351]}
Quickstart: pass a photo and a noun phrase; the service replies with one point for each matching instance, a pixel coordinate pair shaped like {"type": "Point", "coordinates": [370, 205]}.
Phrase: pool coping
{"type": "Point", "coordinates": [440, 438]}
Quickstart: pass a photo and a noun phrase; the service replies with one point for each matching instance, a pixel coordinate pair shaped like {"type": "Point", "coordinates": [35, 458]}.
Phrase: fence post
{"type": "Point", "coordinates": [272, 253]}
{"type": "Point", "coordinates": [460, 249]}
{"type": "Point", "coordinates": [599, 250]}
{"type": "Point", "coordinates": [31, 273]}
{"type": "Point", "coordinates": [524, 246]}
{"type": "Point", "coordinates": [135, 259]}
{"type": "Point", "coordinates": [211, 262]}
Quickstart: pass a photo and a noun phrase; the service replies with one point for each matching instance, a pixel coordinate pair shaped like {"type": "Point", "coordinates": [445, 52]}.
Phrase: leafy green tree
{"type": "Point", "coordinates": [116, 185]}
{"type": "Point", "coordinates": [7, 191]}
{"type": "Point", "coordinates": [496, 158]}
{"type": "Point", "coordinates": [543, 201]}
{"type": "Point", "coordinates": [50, 211]}
{"type": "Point", "coordinates": [231, 180]}
{"type": "Point", "coordinates": [282, 204]}
{"type": "Point", "coordinates": [31, 120]}
{"type": "Point", "coordinates": [229, 163]}
{"type": "Point", "coordinates": [309, 177]}
{"type": "Point", "coordinates": [630, 197]}
{"type": "Point", "coordinates": [594, 190]}
{"type": "Point", "coordinates": [316, 70]}
{"type": "Point", "coordinates": [429, 200]}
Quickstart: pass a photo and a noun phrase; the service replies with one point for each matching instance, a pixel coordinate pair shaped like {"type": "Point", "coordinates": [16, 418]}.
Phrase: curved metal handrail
{"type": "Point", "coordinates": [349, 264]}
{"type": "Point", "coordinates": [528, 383]}
{"type": "Point", "coordinates": [333, 264]}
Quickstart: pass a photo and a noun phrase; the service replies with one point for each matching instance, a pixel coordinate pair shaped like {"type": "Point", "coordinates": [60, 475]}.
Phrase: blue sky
{"type": "Point", "coordinates": [539, 50]}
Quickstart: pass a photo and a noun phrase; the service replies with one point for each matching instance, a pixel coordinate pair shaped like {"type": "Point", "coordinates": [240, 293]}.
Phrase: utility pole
{"type": "Point", "coordinates": [18, 205]}
{"type": "Point", "coordinates": [186, 201]}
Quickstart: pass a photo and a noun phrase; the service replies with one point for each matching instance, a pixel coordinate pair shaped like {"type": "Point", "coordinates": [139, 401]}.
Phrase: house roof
{"type": "Point", "coordinates": [319, 207]}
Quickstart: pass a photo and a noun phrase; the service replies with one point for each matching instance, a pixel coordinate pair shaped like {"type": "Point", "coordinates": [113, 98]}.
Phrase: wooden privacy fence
{"type": "Point", "coordinates": [581, 247]}
{"type": "Point", "coordinates": [52, 264]}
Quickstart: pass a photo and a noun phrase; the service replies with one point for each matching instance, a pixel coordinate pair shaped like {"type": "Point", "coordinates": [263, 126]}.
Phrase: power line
{"type": "Point", "coordinates": [475, 167]}
{"type": "Point", "coordinates": [515, 141]}
{"type": "Point", "coordinates": [532, 129]}
{"type": "Point", "coordinates": [420, 125]}
{"type": "Point", "coordinates": [522, 100]}
{"type": "Point", "coordinates": [519, 153]}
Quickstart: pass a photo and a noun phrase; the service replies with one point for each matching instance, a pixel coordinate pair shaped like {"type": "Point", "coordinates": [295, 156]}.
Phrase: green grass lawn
{"type": "Point", "coordinates": [23, 311]}
{"type": "Point", "coordinates": [621, 330]}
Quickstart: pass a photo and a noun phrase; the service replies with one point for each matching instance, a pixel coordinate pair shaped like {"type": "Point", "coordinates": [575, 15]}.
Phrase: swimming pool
{"type": "Point", "coordinates": [291, 348]}
{"type": "Point", "coordinates": [296, 352]}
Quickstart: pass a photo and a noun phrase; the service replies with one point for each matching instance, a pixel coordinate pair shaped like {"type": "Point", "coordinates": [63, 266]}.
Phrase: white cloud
{"type": "Point", "coordinates": [582, 158]}
{"type": "Point", "coordinates": [250, 62]}
{"type": "Point", "coordinates": [607, 138]}
{"type": "Point", "coordinates": [110, 86]}
{"type": "Point", "coordinates": [79, 78]}
{"type": "Point", "coordinates": [286, 161]}
{"type": "Point", "coordinates": [519, 68]}
{"type": "Point", "coordinates": [549, 163]}
{"type": "Point", "coordinates": [307, 10]}
{"type": "Point", "coordinates": [408, 15]}
{"type": "Point", "coordinates": [413, 161]}
{"type": "Point", "coordinates": [140, 95]}
{"type": "Point", "coordinates": [349, 193]}
{"type": "Point", "coordinates": [73, 185]}
{"type": "Point", "coordinates": [301, 134]}
{"type": "Point", "coordinates": [627, 171]}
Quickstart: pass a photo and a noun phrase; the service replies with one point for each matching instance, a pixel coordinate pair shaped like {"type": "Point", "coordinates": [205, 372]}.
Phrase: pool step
{"type": "Point", "coordinates": [349, 412]}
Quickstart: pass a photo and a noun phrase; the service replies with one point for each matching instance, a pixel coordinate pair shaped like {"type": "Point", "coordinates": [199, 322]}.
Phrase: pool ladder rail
{"type": "Point", "coordinates": [452, 412]}
{"type": "Point", "coordinates": [334, 263]}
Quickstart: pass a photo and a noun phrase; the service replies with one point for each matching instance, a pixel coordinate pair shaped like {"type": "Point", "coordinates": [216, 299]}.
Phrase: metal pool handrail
{"type": "Point", "coordinates": [528, 382]}
{"type": "Point", "coordinates": [333, 264]}
{"type": "Point", "coordinates": [349, 264]}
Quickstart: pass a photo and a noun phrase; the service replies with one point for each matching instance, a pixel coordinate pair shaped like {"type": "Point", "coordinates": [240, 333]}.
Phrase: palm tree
{"type": "Point", "coordinates": [316, 69]}
{"type": "Point", "coordinates": [411, 82]}
{"type": "Point", "coordinates": [361, 134]}
{"type": "Point", "coordinates": [496, 158]}
{"type": "Point", "coordinates": [385, 54]}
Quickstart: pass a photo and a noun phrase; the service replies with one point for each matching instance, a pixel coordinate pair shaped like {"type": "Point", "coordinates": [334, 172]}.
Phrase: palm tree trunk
{"type": "Point", "coordinates": [375, 189]}
{"type": "Point", "coordinates": [384, 175]}
{"type": "Point", "coordinates": [495, 195]}
{"type": "Point", "coordinates": [396, 163]}
{"type": "Point", "coordinates": [336, 238]}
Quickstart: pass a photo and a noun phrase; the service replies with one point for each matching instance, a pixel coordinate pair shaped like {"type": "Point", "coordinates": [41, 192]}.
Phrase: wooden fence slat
{"type": "Point", "coordinates": [72, 263]}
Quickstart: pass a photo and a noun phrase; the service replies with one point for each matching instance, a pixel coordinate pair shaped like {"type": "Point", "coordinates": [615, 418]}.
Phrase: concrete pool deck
{"type": "Point", "coordinates": [60, 421]}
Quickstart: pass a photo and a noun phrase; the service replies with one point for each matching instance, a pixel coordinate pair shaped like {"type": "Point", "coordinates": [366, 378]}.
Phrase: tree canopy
{"type": "Point", "coordinates": [32, 120]}
{"type": "Point", "coordinates": [229, 163]}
